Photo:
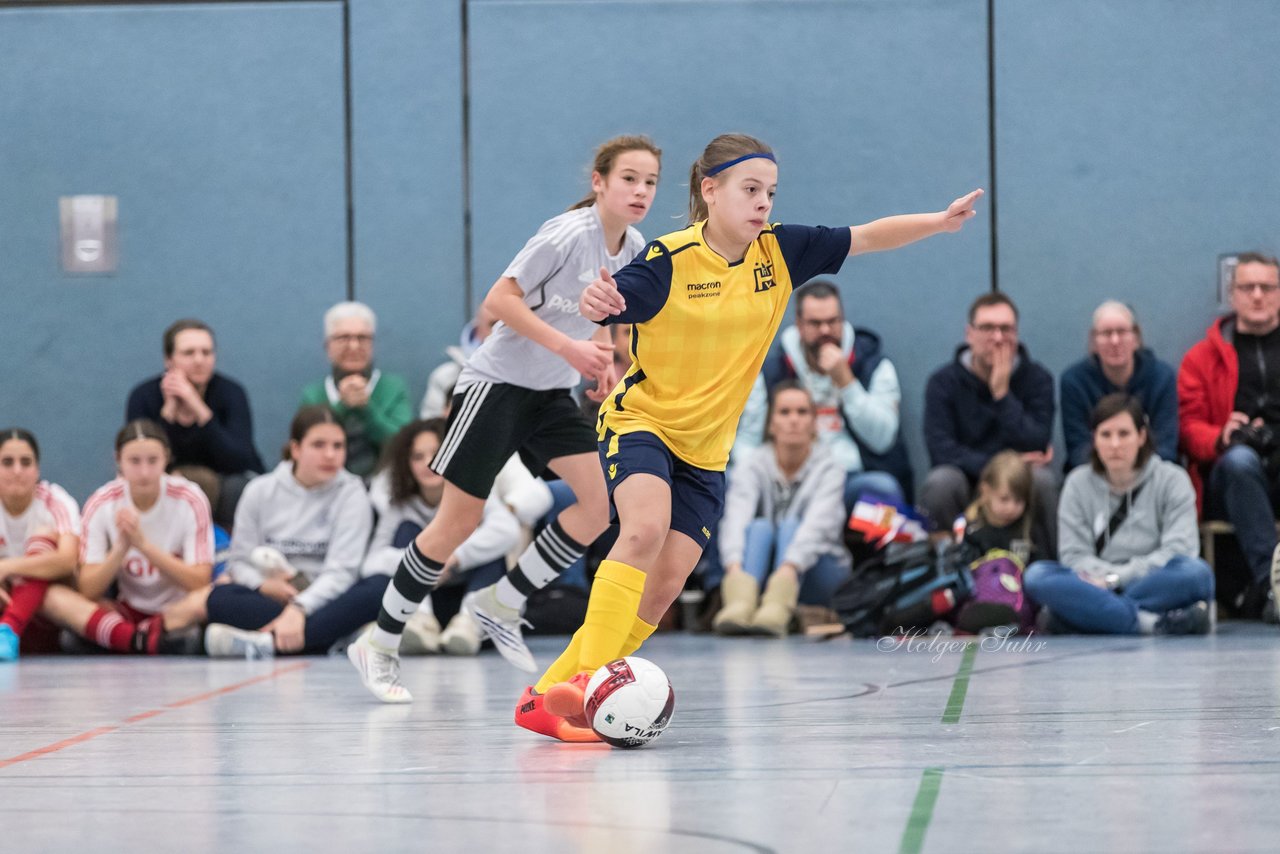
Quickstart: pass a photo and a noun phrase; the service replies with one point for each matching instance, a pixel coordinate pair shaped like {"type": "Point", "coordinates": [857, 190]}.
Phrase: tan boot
{"type": "Point", "coordinates": [421, 635]}
{"type": "Point", "coordinates": [777, 605]}
{"type": "Point", "coordinates": [740, 593]}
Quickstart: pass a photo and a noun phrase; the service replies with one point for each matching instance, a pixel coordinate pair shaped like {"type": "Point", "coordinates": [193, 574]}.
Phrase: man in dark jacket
{"type": "Point", "coordinates": [991, 398]}
{"type": "Point", "coordinates": [205, 415]}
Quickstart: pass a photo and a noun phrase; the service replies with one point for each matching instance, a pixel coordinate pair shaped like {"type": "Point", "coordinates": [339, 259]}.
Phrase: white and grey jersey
{"type": "Point", "coordinates": [552, 270]}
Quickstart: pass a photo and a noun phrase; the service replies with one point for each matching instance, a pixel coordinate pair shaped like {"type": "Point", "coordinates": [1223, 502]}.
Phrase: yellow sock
{"type": "Point", "coordinates": [640, 631]}
{"type": "Point", "coordinates": [611, 612]}
{"type": "Point", "coordinates": [563, 667]}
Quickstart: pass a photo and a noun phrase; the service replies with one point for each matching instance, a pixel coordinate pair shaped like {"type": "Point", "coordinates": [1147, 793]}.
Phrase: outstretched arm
{"type": "Point", "coordinates": [894, 231]}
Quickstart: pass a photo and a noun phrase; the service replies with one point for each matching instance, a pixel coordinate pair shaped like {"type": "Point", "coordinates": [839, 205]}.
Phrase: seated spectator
{"type": "Point", "coordinates": [991, 398]}
{"type": "Point", "coordinates": [1117, 362]}
{"type": "Point", "coordinates": [205, 416]}
{"type": "Point", "coordinates": [39, 536]}
{"type": "Point", "coordinates": [1229, 412]}
{"type": "Point", "coordinates": [296, 552]}
{"type": "Point", "coordinates": [370, 405]}
{"type": "Point", "coordinates": [1000, 534]}
{"type": "Point", "coordinates": [855, 389]}
{"type": "Point", "coordinates": [406, 495]}
{"type": "Point", "coordinates": [151, 535]}
{"type": "Point", "coordinates": [998, 519]}
{"type": "Point", "coordinates": [435, 403]}
{"type": "Point", "coordinates": [783, 519]}
{"type": "Point", "coordinates": [1127, 538]}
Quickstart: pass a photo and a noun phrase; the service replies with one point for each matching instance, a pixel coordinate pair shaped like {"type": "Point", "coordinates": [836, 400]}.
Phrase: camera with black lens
{"type": "Point", "coordinates": [1260, 437]}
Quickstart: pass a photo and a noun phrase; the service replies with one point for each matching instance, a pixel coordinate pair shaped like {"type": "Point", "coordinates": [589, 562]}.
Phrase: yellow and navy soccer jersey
{"type": "Point", "coordinates": [702, 329]}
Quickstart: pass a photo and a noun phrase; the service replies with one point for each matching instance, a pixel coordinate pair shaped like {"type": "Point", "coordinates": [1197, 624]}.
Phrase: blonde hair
{"type": "Point", "coordinates": [608, 153]}
{"type": "Point", "coordinates": [1006, 470]}
{"type": "Point", "coordinates": [722, 149]}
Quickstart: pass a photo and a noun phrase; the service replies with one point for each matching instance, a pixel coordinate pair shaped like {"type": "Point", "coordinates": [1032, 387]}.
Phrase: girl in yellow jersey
{"type": "Point", "coordinates": [705, 303]}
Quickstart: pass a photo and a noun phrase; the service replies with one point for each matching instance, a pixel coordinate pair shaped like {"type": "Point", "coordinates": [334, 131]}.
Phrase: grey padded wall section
{"type": "Point", "coordinates": [220, 129]}
{"type": "Point", "coordinates": [1136, 142]}
{"type": "Point", "coordinates": [406, 76]}
{"type": "Point", "coordinates": [874, 107]}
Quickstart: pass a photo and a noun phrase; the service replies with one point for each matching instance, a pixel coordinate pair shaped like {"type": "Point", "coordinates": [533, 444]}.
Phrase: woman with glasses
{"type": "Point", "coordinates": [370, 405]}
{"type": "Point", "coordinates": [1117, 361]}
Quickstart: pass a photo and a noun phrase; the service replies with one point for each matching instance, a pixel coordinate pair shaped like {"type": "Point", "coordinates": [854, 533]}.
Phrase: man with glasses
{"type": "Point", "coordinates": [992, 397]}
{"type": "Point", "coordinates": [1117, 362]}
{"type": "Point", "coordinates": [1229, 410]}
{"type": "Point", "coordinates": [854, 388]}
{"type": "Point", "coordinates": [371, 405]}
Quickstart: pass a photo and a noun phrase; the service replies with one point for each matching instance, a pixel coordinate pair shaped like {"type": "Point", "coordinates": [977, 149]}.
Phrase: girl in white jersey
{"type": "Point", "coordinates": [39, 536]}
{"type": "Point", "coordinates": [514, 396]}
{"type": "Point", "coordinates": [148, 532]}
{"type": "Point", "coordinates": [299, 540]}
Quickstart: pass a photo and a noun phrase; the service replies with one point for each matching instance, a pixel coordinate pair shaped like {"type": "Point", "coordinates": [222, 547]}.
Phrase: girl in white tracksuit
{"type": "Point", "coordinates": [299, 541]}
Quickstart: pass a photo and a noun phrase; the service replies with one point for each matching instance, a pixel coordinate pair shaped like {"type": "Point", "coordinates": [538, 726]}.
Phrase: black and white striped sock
{"type": "Point", "coordinates": [415, 577]}
{"type": "Point", "coordinates": [551, 553]}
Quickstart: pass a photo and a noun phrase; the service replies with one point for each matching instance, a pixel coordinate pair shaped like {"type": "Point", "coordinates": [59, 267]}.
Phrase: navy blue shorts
{"type": "Point", "coordinates": [697, 495]}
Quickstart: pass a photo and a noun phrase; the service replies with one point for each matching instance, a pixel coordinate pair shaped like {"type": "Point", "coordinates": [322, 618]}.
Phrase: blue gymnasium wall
{"type": "Point", "coordinates": [1133, 143]}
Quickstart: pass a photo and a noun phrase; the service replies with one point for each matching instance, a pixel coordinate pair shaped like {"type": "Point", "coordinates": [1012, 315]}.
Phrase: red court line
{"type": "Point", "coordinates": [142, 716]}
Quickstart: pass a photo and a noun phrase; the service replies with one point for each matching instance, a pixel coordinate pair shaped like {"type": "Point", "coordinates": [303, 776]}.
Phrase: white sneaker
{"type": "Point", "coordinates": [223, 641]}
{"type": "Point", "coordinates": [462, 636]}
{"type": "Point", "coordinates": [379, 670]}
{"type": "Point", "coordinates": [501, 624]}
{"type": "Point", "coordinates": [421, 635]}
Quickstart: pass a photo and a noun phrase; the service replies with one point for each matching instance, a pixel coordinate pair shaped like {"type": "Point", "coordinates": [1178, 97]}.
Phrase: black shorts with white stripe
{"type": "Point", "coordinates": [491, 421]}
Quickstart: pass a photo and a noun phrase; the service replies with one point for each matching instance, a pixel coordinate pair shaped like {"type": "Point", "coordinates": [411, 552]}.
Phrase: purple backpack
{"type": "Point", "coordinates": [996, 596]}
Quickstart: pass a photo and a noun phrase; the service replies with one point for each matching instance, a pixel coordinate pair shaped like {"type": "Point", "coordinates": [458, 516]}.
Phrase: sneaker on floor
{"type": "Point", "coordinates": [379, 670]}
{"type": "Point", "coordinates": [223, 641]}
{"type": "Point", "coordinates": [8, 643]}
{"type": "Point", "coordinates": [531, 714]}
{"type": "Point", "coordinates": [500, 624]}
{"type": "Point", "coordinates": [462, 636]}
{"type": "Point", "coordinates": [568, 699]}
{"type": "Point", "coordinates": [421, 635]}
{"type": "Point", "coordinates": [1191, 620]}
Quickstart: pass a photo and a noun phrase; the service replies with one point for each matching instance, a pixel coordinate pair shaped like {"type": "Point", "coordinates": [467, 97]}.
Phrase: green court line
{"type": "Point", "coordinates": [921, 812]}
{"type": "Point", "coordinates": [961, 686]}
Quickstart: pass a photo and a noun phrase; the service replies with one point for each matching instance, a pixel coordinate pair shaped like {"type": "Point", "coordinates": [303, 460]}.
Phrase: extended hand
{"type": "Point", "coordinates": [960, 211]}
{"type": "Point", "coordinates": [601, 299]}
{"type": "Point", "coordinates": [605, 381]}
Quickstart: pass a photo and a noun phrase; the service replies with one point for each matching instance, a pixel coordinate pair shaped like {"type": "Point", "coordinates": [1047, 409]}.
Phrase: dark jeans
{"type": "Point", "coordinates": [1092, 610]}
{"type": "Point", "coordinates": [1240, 492]}
{"type": "Point", "coordinates": [246, 608]}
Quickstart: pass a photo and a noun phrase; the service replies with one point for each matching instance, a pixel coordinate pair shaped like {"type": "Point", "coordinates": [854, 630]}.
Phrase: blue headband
{"type": "Point", "coordinates": [716, 170]}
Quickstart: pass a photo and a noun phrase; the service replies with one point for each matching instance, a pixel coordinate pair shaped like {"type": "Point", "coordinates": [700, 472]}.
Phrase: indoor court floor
{"type": "Point", "coordinates": [1048, 744]}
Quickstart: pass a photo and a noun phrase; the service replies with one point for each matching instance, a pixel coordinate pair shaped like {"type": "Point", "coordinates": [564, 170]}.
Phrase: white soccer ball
{"type": "Point", "coordinates": [629, 702]}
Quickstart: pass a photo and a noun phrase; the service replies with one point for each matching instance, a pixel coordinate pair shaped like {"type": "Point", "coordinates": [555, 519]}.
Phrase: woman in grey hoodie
{"type": "Point", "coordinates": [299, 541]}
{"type": "Point", "coordinates": [1127, 539]}
{"type": "Point", "coordinates": [783, 516]}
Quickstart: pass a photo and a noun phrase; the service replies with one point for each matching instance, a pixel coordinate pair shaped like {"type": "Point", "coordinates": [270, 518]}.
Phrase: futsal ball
{"type": "Point", "coordinates": [629, 702]}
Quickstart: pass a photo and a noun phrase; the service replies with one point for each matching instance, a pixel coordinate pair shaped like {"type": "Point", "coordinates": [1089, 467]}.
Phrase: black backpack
{"type": "Point", "coordinates": [904, 587]}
